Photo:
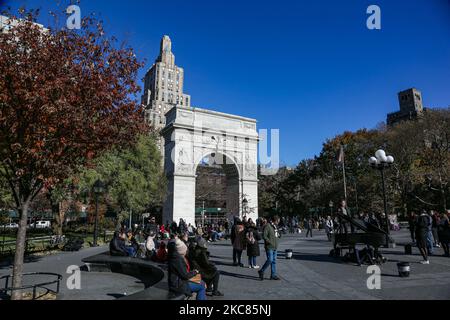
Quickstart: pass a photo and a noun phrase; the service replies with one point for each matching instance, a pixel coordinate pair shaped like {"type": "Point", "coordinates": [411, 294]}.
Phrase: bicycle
{"type": "Point", "coordinates": [57, 240]}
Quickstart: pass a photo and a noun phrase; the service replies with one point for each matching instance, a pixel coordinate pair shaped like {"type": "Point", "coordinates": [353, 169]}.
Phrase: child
{"type": "Point", "coordinates": [253, 251]}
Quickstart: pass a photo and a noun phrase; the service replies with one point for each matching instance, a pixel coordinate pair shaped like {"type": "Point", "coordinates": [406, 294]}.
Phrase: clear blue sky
{"type": "Point", "coordinates": [309, 68]}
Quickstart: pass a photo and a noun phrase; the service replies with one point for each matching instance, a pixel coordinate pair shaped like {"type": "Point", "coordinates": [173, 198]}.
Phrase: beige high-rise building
{"type": "Point", "coordinates": [163, 86]}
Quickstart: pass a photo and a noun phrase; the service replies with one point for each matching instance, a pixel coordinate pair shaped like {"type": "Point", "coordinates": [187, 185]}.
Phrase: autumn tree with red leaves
{"type": "Point", "coordinates": [65, 97]}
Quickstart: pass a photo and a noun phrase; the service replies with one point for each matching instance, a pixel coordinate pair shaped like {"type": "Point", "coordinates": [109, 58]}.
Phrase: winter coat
{"type": "Point", "coordinates": [253, 248]}
{"type": "Point", "coordinates": [444, 231]}
{"type": "Point", "coordinates": [239, 242]}
{"type": "Point", "coordinates": [200, 261]}
{"type": "Point", "coordinates": [178, 274]}
{"type": "Point", "coordinates": [117, 247]}
{"type": "Point", "coordinates": [329, 226]}
{"type": "Point", "coordinates": [422, 226]}
{"type": "Point", "coordinates": [270, 236]}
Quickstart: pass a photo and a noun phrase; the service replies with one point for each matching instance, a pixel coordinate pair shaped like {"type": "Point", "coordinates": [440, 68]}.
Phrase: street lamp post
{"type": "Point", "coordinates": [381, 162]}
{"type": "Point", "coordinates": [98, 190]}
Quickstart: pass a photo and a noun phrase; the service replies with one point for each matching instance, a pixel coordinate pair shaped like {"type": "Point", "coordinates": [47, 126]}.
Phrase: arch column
{"type": "Point", "coordinates": [180, 201]}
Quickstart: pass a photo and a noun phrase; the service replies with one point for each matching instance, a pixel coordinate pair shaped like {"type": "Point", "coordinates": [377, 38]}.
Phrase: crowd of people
{"type": "Point", "coordinates": [184, 246]}
{"type": "Point", "coordinates": [430, 230]}
{"type": "Point", "coordinates": [184, 249]}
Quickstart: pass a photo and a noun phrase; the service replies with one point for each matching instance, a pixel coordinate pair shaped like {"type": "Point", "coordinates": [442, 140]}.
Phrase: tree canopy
{"type": "Point", "coordinates": [418, 179]}
{"type": "Point", "coordinates": [66, 96]}
{"type": "Point", "coordinates": [133, 175]}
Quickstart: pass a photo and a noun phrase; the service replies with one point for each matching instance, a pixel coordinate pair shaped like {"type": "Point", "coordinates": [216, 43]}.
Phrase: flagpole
{"type": "Point", "coordinates": [343, 172]}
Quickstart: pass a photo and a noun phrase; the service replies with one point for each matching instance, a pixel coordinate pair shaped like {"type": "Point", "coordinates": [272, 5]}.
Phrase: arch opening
{"type": "Point", "coordinates": [217, 189]}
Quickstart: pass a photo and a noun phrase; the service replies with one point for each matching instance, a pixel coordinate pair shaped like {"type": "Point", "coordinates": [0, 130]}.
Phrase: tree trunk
{"type": "Point", "coordinates": [20, 252]}
{"type": "Point", "coordinates": [59, 215]}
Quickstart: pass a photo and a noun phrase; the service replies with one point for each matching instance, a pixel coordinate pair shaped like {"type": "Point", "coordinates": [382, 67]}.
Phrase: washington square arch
{"type": "Point", "coordinates": [193, 134]}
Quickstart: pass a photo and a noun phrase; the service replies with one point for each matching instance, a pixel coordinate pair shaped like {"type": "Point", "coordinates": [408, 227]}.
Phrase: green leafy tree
{"type": "Point", "coordinates": [133, 176]}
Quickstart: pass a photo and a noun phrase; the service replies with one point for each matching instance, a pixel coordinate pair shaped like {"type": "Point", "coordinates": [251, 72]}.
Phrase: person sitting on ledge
{"type": "Point", "coordinates": [199, 259]}
{"type": "Point", "coordinates": [182, 279]}
{"type": "Point", "coordinates": [117, 245]}
{"type": "Point", "coordinates": [161, 254]}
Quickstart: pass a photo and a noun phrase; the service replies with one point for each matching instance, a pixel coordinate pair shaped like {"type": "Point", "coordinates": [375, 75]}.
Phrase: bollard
{"type": "Point", "coordinates": [403, 269]}
{"type": "Point", "coordinates": [288, 253]}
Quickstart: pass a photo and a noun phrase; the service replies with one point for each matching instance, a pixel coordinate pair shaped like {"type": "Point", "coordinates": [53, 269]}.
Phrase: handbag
{"type": "Point", "coordinates": [196, 279]}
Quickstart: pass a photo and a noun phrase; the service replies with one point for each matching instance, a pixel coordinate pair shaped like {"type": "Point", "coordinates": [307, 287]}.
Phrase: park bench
{"type": "Point", "coordinates": [153, 275]}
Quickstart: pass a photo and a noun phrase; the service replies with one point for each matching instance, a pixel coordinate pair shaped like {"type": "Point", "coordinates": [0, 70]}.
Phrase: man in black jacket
{"type": "Point", "coordinates": [210, 274]}
{"type": "Point", "coordinates": [117, 245]}
{"type": "Point", "coordinates": [233, 237]}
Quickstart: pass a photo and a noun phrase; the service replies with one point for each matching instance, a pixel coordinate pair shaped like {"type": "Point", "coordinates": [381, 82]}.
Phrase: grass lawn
{"type": "Point", "coordinates": [37, 246]}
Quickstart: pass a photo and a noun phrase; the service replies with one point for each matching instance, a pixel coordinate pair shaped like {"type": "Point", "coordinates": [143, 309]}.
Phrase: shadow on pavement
{"type": "Point", "coordinates": [9, 261]}
{"type": "Point", "coordinates": [115, 295]}
{"type": "Point", "coordinates": [220, 263]}
{"type": "Point", "coordinates": [390, 275]}
{"type": "Point", "coordinates": [241, 276]}
{"type": "Point", "coordinates": [314, 257]}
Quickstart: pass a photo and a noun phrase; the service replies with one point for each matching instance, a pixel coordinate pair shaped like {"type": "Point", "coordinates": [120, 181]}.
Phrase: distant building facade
{"type": "Point", "coordinates": [411, 107]}
{"type": "Point", "coordinates": [7, 23]}
{"type": "Point", "coordinates": [163, 86]}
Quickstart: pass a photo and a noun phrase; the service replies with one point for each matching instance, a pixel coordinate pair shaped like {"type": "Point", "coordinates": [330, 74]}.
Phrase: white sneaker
{"type": "Point", "coordinates": [250, 267]}
{"type": "Point", "coordinates": [425, 262]}
{"type": "Point", "coordinates": [255, 267]}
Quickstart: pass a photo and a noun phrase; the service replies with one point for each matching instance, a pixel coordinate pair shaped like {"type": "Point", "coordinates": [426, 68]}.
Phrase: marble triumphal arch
{"type": "Point", "coordinates": [190, 135]}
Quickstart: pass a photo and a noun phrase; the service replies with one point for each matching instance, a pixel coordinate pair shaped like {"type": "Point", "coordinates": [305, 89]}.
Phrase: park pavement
{"type": "Point", "coordinates": [310, 275]}
{"type": "Point", "coordinates": [94, 285]}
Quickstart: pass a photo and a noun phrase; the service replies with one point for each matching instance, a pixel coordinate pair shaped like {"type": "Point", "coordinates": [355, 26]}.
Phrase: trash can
{"type": "Point", "coordinates": [408, 249]}
{"type": "Point", "coordinates": [288, 254]}
{"type": "Point", "coordinates": [403, 269]}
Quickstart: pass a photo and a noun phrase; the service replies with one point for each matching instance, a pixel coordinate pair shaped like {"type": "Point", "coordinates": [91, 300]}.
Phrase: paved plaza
{"type": "Point", "coordinates": [311, 274]}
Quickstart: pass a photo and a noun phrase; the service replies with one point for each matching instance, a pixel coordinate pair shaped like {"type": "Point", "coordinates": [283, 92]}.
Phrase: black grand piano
{"type": "Point", "coordinates": [354, 232]}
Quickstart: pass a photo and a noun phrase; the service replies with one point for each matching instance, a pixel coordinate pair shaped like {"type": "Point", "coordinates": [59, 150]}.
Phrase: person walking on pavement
{"type": "Point", "coordinates": [239, 243]}
{"type": "Point", "coordinates": [430, 240]}
{"type": "Point", "coordinates": [444, 233]}
{"type": "Point", "coordinates": [412, 219]}
{"type": "Point", "coordinates": [422, 230]}
{"type": "Point", "coordinates": [329, 226]}
{"type": "Point", "coordinates": [309, 227]}
{"type": "Point", "coordinates": [271, 237]}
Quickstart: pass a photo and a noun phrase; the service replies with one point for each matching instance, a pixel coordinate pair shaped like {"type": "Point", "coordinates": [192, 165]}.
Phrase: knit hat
{"type": "Point", "coordinates": [181, 247]}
